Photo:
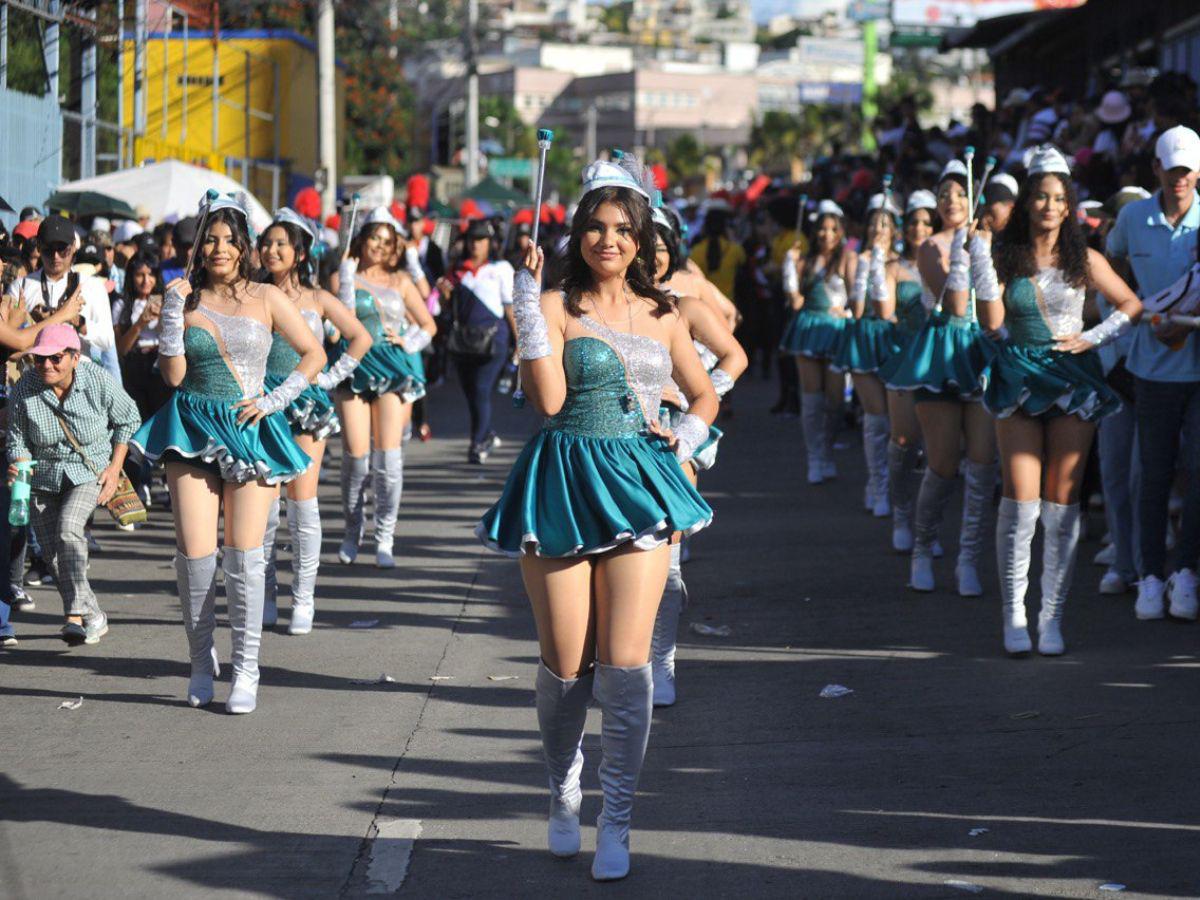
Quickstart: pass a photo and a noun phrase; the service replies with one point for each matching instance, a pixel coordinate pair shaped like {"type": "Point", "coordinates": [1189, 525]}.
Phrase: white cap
{"type": "Point", "coordinates": [882, 201]}
{"type": "Point", "coordinates": [602, 174]}
{"type": "Point", "coordinates": [1046, 160]}
{"type": "Point", "coordinates": [829, 208]}
{"type": "Point", "coordinates": [920, 199]}
{"type": "Point", "coordinates": [1178, 147]}
{"type": "Point", "coordinates": [99, 223]}
{"type": "Point", "coordinates": [1006, 181]}
{"type": "Point", "coordinates": [125, 231]}
{"type": "Point", "coordinates": [954, 167]}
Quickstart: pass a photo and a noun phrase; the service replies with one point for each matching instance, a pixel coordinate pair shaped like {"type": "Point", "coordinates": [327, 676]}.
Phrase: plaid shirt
{"type": "Point", "coordinates": [97, 410]}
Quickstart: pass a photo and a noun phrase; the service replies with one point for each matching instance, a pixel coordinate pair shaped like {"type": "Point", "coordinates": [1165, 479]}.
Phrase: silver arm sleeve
{"type": "Point", "coordinates": [346, 272]}
{"type": "Point", "coordinates": [415, 339]}
{"type": "Point", "coordinates": [791, 278]}
{"type": "Point", "coordinates": [1109, 330]}
{"type": "Point", "coordinates": [412, 264]}
{"type": "Point", "coordinates": [689, 434]}
{"type": "Point", "coordinates": [722, 382]}
{"type": "Point", "coordinates": [983, 270]}
{"type": "Point", "coordinates": [959, 276]}
{"type": "Point", "coordinates": [337, 373]}
{"type": "Point", "coordinates": [877, 277]}
{"type": "Point", "coordinates": [533, 338]}
{"type": "Point", "coordinates": [862, 273]}
{"type": "Point", "coordinates": [293, 386]}
{"type": "Point", "coordinates": [170, 324]}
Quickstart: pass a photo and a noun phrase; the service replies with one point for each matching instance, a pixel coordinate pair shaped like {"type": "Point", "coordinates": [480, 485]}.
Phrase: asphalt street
{"type": "Point", "coordinates": [395, 748]}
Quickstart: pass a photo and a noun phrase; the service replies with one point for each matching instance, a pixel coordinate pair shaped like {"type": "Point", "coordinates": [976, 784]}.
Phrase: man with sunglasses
{"type": "Point", "coordinates": [74, 423]}
{"type": "Point", "coordinates": [46, 289]}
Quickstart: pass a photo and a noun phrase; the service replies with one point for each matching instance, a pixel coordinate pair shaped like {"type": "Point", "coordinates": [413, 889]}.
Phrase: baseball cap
{"type": "Point", "coordinates": [55, 230]}
{"type": "Point", "coordinates": [90, 252]}
{"type": "Point", "coordinates": [101, 239]}
{"type": "Point", "coordinates": [26, 230]}
{"type": "Point", "coordinates": [30, 213]}
{"type": "Point", "coordinates": [1178, 147]}
{"type": "Point", "coordinates": [55, 339]}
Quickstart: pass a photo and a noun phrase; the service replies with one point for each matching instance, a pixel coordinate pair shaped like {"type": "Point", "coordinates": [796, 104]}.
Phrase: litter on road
{"type": "Point", "coordinates": [503, 677]}
{"type": "Point", "coordinates": [712, 630]}
{"type": "Point", "coordinates": [833, 691]}
{"type": "Point", "coordinates": [71, 704]}
{"type": "Point", "coordinates": [382, 679]}
{"type": "Point", "coordinates": [364, 623]}
{"type": "Point", "coordinates": [965, 886]}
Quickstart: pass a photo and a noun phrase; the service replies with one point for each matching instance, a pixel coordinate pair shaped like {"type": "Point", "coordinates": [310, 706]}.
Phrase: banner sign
{"type": "Point", "coordinates": [965, 13]}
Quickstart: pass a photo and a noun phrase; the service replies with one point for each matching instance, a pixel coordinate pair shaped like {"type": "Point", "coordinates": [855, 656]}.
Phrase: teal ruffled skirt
{"type": "Point", "coordinates": [947, 356]}
{"type": "Point", "coordinates": [205, 430]}
{"type": "Point", "coordinates": [812, 334]}
{"type": "Point", "coordinates": [1039, 380]}
{"type": "Point", "coordinates": [864, 345]}
{"type": "Point", "coordinates": [705, 456]}
{"type": "Point", "coordinates": [569, 495]}
{"type": "Point", "coordinates": [386, 369]}
{"type": "Point", "coordinates": [311, 413]}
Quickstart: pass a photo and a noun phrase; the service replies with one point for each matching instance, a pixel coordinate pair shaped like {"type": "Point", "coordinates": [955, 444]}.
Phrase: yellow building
{"type": "Point", "coordinates": [265, 130]}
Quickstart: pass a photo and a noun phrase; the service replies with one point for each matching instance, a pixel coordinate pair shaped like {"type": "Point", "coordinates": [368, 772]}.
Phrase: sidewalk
{"type": "Point", "coordinates": [1081, 768]}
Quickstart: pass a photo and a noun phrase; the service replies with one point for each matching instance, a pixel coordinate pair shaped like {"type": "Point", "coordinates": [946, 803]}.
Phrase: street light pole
{"type": "Point", "coordinates": [326, 136]}
{"type": "Point", "coordinates": [471, 173]}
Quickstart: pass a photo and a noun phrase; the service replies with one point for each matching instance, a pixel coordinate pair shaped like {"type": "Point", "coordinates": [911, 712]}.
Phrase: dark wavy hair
{"type": "Point", "coordinates": [935, 223]}
{"type": "Point", "coordinates": [301, 242]}
{"type": "Point", "coordinates": [1013, 248]}
{"type": "Point", "coordinates": [365, 233]}
{"type": "Point", "coordinates": [578, 276]}
{"type": "Point", "coordinates": [835, 261]}
{"type": "Point", "coordinates": [671, 240]}
{"type": "Point", "coordinates": [241, 239]}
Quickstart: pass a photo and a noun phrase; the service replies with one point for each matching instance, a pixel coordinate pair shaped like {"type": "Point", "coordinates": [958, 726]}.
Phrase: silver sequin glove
{"type": "Point", "coordinates": [533, 338]}
{"type": "Point", "coordinates": [293, 386]}
{"type": "Point", "coordinates": [412, 264]}
{"type": "Point", "coordinates": [1109, 330]}
{"type": "Point", "coordinates": [959, 276]}
{"type": "Point", "coordinates": [337, 373]}
{"type": "Point", "coordinates": [983, 270]}
{"type": "Point", "coordinates": [690, 433]}
{"type": "Point", "coordinates": [877, 277]}
{"type": "Point", "coordinates": [858, 291]}
{"type": "Point", "coordinates": [791, 278]}
{"type": "Point", "coordinates": [170, 324]}
{"type": "Point", "coordinates": [722, 382]}
{"type": "Point", "coordinates": [346, 272]}
{"type": "Point", "coordinates": [415, 339]}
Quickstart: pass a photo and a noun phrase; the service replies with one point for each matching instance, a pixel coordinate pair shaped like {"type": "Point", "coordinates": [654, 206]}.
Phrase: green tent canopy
{"type": "Point", "coordinates": [90, 203]}
{"type": "Point", "coordinates": [489, 190]}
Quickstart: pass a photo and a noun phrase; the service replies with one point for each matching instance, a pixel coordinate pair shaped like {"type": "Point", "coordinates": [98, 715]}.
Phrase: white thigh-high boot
{"type": "Point", "coordinates": [833, 418]}
{"type": "Point", "coordinates": [625, 696]}
{"type": "Point", "coordinates": [977, 500]}
{"type": "Point", "coordinates": [197, 581]}
{"type": "Point", "coordinates": [304, 525]}
{"type": "Point", "coordinates": [931, 508]}
{"type": "Point", "coordinates": [244, 573]}
{"type": "Point", "coordinates": [901, 462]}
{"type": "Point", "coordinates": [812, 422]}
{"type": "Point", "coordinates": [387, 479]}
{"type": "Point", "coordinates": [271, 589]}
{"type": "Point", "coordinates": [666, 629]}
{"type": "Point", "coordinates": [1060, 534]}
{"type": "Point", "coordinates": [354, 482]}
{"type": "Point", "coordinates": [876, 429]}
{"type": "Point", "coordinates": [1015, 525]}
{"type": "Point", "coordinates": [562, 705]}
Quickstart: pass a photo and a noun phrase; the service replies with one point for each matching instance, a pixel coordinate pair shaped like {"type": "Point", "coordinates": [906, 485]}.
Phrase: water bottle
{"type": "Point", "coordinates": [18, 508]}
{"type": "Point", "coordinates": [508, 378]}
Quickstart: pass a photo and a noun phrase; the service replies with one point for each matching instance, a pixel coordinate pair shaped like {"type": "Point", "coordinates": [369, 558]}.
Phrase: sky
{"type": "Point", "coordinates": [765, 9]}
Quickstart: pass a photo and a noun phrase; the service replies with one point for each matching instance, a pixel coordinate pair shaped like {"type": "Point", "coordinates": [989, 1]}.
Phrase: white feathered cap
{"type": "Point", "coordinates": [603, 173]}
{"type": "Point", "coordinates": [920, 199]}
{"type": "Point", "coordinates": [381, 215]}
{"type": "Point", "coordinates": [828, 208]}
{"type": "Point", "coordinates": [954, 167]}
{"type": "Point", "coordinates": [882, 201]}
{"type": "Point", "coordinates": [238, 202]}
{"type": "Point", "coordinates": [1046, 160]}
{"type": "Point", "coordinates": [291, 217]}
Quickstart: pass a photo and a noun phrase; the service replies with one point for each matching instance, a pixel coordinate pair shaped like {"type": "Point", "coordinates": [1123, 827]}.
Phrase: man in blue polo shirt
{"type": "Point", "coordinates": [1157, 238]}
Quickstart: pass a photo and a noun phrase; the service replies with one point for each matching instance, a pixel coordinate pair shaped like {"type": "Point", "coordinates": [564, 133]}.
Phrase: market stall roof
{"type": "Point", "coordinates": [489, 190]}
{"type": "Point", "coordinates": [1001, 32]}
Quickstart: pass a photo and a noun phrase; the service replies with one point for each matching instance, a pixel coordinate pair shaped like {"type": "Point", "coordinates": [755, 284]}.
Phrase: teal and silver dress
{"type": "Point", "coordinates": [386, 368]}
{"type": "Point", "coordinates": [311, 413]}
{"type": "Point", "coordinates": [814, 330]}
{"type": "Point", "coordinates": [911, 316]}
{"type": "Point", "coordinates": [675, 406]}
{"type": "Point", "coordinates": [865, 343]}
{"type": "Point", "coordinates": [198, 424]}
{"type": "Point", "coordinates": [1028, 374]}
{"type": "Point", "coordinates": [946, 358]}
{"type": "Point", "coordinates": [594, 478]}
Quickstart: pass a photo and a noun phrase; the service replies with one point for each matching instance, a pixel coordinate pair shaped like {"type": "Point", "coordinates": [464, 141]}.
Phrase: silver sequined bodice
{"type": "Point", "coordinates": [390, 302]}
{"type": "Point", "coordinates": [313, 319]}
{"type": "Point", "coordinates": [1062, 304]}
{"type": "Point", "coordinates": [647, 363]}
{"type": "Point", "coordinates": [835, 287]}
{"type": "Point", "coordinates": [247, 344]}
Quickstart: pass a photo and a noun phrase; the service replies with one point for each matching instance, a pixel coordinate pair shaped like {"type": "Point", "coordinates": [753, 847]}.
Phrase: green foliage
{"type": "Point", "coordinates": [615, 17]}
{"type": "Point", "coordinates": [685, 158]}
{"type": "Point", "coordinates": [779, 138]}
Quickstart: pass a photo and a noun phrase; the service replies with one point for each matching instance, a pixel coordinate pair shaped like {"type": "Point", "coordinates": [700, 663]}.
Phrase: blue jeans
{"type": "Point", "coordinates": [1166, 413]}
{"type": "Point", "coordinates": [478, 377]}
{"type": "Point", "coordinates": [1121, 475]}
{"type": "Point", "coordinates": [6, 588]}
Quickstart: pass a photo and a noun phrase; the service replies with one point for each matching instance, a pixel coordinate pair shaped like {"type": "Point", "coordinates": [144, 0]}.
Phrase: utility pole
{"type": "Point", "coordinates": [590, 142]}
{"type": "Point", "coordinates": [870, 107]}
{"type": "Point", "coordinates": [139, 67]}
{"type": "Point", "coordinates": [471, 173]}
{"type": "Point", "coordinates": [326, 134]}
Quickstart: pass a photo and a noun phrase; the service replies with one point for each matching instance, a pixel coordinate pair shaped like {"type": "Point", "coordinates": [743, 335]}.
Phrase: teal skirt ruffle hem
{"type": "Point", "coordinates": [570, 495]}
{"type": "Point", "coordinates": [865, 345]}
{"type": "Point", "coordinates": [1039, 380]}
{"type": "Point", "coordinates": [311, 413]}
{"type": "Point", "coordinates": [947, 356]}
{"type": "Point", "coordinates": [812, 334]}
{"type": "Point", "coordinates": [206, 430]}
{"type": "Point", "coordinates": [386, 369]}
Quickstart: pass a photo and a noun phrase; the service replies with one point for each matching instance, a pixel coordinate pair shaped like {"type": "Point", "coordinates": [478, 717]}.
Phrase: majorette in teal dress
{"type": "Point", "coordinates": [593, 478]}
{"type": "Point", "coordinates": [815, 328]}
{"type": "Point", "coordinates": [199, 423]}
{"type": "Point", "coordinates": [867, 342]}
{"type": "Point", "coordinates": [911, 316]}
{"type": "Point", "coordinates": [385, 368]}
{"type": "Point", "coordinates": [311, 413]}
{"type": "Point", "coordinates": [946, 357]}
{"type": "Point", "coordinates": [674, 408]}
{"type": "Point", "coordinates": [1028, 374]}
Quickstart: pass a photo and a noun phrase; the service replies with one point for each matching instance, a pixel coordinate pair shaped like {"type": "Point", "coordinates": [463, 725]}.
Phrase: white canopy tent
{"type": "Point", "coordinates": [169, 190]}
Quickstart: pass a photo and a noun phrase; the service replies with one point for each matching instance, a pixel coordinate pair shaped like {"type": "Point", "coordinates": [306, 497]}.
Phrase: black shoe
{"type": "Point", "coordinates": [38, 574]}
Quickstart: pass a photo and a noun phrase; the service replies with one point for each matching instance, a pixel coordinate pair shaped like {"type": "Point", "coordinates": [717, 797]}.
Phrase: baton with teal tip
{"type": "Point", "coordinates": [545, 137]}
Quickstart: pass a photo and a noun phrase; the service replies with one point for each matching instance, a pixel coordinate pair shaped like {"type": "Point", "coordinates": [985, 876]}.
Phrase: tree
{"type": "Point", "coordinates": [685, 158]}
